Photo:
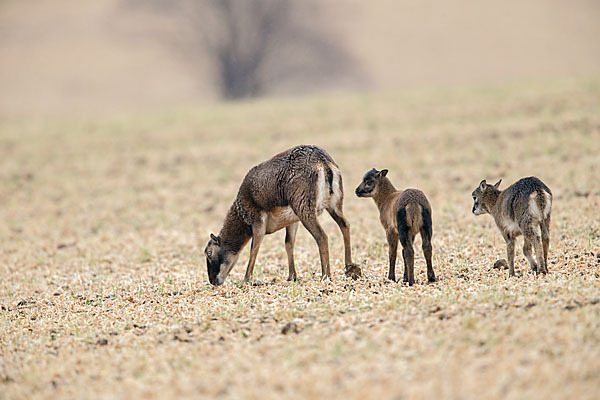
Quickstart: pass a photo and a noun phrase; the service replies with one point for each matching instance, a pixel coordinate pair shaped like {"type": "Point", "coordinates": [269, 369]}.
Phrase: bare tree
{"type": "Point", "coordinates": [256, 46]}
{"type": "Point", "coordinates": [248, 33]}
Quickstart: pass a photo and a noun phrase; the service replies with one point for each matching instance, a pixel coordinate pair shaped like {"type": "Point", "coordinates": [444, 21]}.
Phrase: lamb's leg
{"type": "Point", "coordinates": [510, 253]}
{"type": "Point", "coordinates": [545, 225]}
{"type": "Point", "coordinates": [408, 254]}
{"type": "Point", "coordinates": [539, 254]}
{"type": "Point", "coordinates": [428, 253]}
{"type": "Point", "coordinates": [527, 246]}
{"type": "Point", "coordinates": [392, 239]}
{"type": "Point", "coordinates": [409, 261]}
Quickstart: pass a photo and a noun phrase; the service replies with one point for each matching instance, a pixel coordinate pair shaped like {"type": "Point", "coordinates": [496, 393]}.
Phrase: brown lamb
{"type": "Point", "coordinates": [522, 208]}
{"type": "Point", "coordinates": [403, 214]}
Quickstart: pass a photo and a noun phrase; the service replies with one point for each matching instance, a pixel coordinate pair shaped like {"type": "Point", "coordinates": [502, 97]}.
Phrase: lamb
{"type": "Point", "coordinates": [403, 214]}
{"type": "Point", "coordinates": [522, 208]}
{"type": "Point", "coordinates": [292, 187]}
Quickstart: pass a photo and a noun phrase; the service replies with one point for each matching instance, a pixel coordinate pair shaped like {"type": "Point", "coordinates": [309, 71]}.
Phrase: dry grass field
{"type": "Point", "coordinates": [104, 291]}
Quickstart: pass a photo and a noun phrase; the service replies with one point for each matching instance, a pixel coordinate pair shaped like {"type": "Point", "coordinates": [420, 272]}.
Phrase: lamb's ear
{"type": "Point", "coordinates": [497, 184]}
{"type": "Point", "coordinates": [215, 239]}
{"type": "Point", "coordinates": [482, 185]}
{"type": "Point", "coordinates": [383, 172]}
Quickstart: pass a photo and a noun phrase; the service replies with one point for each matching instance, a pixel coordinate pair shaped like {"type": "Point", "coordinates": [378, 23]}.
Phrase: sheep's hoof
{"type": "Point", "coordinates": [353, 271]}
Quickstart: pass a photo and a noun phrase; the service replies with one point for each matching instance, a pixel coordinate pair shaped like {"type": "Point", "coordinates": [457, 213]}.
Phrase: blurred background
{"type": "Point", "coordinates": [95, 56]}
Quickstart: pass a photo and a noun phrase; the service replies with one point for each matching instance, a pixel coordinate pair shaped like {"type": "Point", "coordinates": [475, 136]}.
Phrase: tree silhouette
{"type": "Point", "coordinates": [257, 46]}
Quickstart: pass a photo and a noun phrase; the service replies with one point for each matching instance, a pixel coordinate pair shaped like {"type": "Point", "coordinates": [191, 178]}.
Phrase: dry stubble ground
{"type": "Point", "coordinates": [104, 290]}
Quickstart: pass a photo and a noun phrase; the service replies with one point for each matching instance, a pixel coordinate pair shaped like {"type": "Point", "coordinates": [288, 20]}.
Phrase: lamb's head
{"type": "Point", "coordinates": [484, 197]}
{"type": "Point", "coordinates": [370, 182]}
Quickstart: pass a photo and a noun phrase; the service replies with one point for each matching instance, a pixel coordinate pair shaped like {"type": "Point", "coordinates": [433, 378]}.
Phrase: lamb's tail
{"type": "Point", "coordinates": [414, 216]}
{"type": "Point", "coordinates": [544, 199]}
{"type": "Point", "coordinates": [410, 218]}
{"type": "Point", "coordinates": [540, 204]}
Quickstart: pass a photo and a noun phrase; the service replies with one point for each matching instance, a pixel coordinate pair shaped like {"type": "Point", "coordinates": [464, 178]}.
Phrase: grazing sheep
{"type": "Point", "coordinates": [293, 186]}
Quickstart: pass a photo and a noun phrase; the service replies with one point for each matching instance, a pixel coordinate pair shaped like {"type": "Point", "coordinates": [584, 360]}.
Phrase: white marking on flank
{"type": "Point", "coordinates": [322, 191]}
{"type": "Point", "coordinates": [337, 189]}
{"type": "Point", "coordinates": [548, 206]}
{"type": "Point", "coordinates": [533, 206]}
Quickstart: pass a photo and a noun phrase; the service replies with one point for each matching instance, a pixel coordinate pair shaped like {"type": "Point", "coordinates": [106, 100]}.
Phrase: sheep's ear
{"type": "Point", "coordinates": [215, 239]}
{"type": "Point", "coordinates": [497, 184]}
{"type": "Point", "coordinates": [482, 185]}
{"type": "Point", "coordinates": [383, 172]}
